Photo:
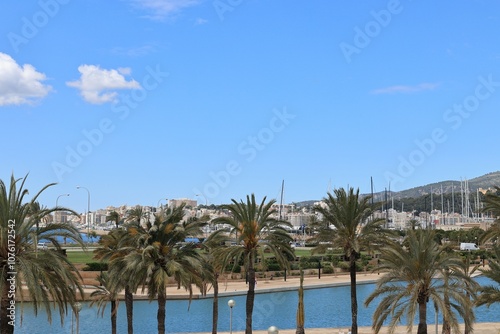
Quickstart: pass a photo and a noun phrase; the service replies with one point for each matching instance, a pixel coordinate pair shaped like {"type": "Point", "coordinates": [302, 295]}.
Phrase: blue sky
{"type": "Point", "coordinates": [139, 101]}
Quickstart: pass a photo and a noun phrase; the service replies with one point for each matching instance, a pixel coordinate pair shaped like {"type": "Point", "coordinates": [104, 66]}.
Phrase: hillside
{"type": "Point", "coordinates": [485, 181]}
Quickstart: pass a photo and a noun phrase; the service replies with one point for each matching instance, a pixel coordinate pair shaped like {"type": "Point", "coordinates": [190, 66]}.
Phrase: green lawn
{"type": "Point", "coordinates": [80, 257]}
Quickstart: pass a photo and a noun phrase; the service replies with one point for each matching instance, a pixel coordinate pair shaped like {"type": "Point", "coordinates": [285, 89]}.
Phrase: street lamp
{"type": "Point", "coordinates": [161, 199]}
{"type": "Point", "coordinates": [57, 199]}
{"type": "Point", "coordinates": [78, 308]}
{"type": "Point", "coordinates": [88, 208]}
{"type": "Point", "coordinates": [231, 304]}
{"type": "Point", "coordinates": [273, 330]}
{"type": "Point", "coordinates": [206, 200]}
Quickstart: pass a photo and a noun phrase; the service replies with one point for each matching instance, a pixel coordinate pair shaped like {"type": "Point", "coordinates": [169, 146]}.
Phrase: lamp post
{"type": "Point", "coordinates": [273, 330]}
{"type": "Point", "coordinates": [88, 208]}
{"type": "Point", "coordinates": [231, 304]}
{"type": "Point", "coordinates": [57, 200]}
{"type": "Point", "coordinates": [161, 199]}
{"type": "Point", "coordinates": [206, 200]}
{"type": "Point", "coordinates": [77, 308]}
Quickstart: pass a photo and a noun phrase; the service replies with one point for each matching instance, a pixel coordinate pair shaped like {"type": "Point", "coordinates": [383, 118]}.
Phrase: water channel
{"type": "Point", "coordinates": [324, 308]}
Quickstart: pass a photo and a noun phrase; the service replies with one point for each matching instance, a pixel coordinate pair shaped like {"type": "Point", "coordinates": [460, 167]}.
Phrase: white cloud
{"type": "Point", "coordinates": [405, 89]}
{"type": "Point", "coordinates": [161, 9]}
{"type": "Point", "coordinates": [99, 86]}
{"type": "Point", "coordinates": [20, 84]}
{"type": "Point", "coordinates": [200, 21]}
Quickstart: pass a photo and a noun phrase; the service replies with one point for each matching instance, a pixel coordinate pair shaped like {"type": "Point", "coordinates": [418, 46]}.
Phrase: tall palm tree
{"type": "Point", "coordinates": [113, 248]}
{"type": "Point", "coordinates": [104, 294]}
{"type": "Point", "coordinates": [254, 228]}
{"type": "Point", "coordinates": [410, 283]}
{"type": "Point", "coordinates": [490, 294]}
{"type": "Point", "coordinates": [213, 269]}
{"type": "Point", "coordinates": [164, 255]}
{"type": "Point", "coordinates": [492, 205]}
{"type": "Point", "coordinates": [47, 275]}
{"type": "Point", "coordinates": [300, 307]}
{"type": "Point", "coordinates": [114, 217]}
{"type": "Point", "coordinates": [353, 231]}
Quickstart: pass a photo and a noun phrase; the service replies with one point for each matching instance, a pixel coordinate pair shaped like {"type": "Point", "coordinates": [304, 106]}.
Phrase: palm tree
{"type": "Point", "coordinates": [136, 215]}
{"type": "Point", "coordinates": [115, 217]}
{"type": "Point", "coordinates": [212, 270]}
{"type": "Point", "coordinates": [164, 255]}
{"type": "Point", "coordinates": [105, 293]}
{"type": "Point", "coordinates": [300, 306]}
{"type": "Point", "coordinates": [47, 275]}
{"type": "Point", "coordinates": [113, 248]}
{"type": "Point", "coordinates": [410, 283]}
{"type": "Point", "coordinates": [353, 231]}
{"type": "Point", "coordinates": [492, 205]}
{"type": "Point", "coordinates": [491, 293]}
{"type": "Point", "coordinates": [254, 229]}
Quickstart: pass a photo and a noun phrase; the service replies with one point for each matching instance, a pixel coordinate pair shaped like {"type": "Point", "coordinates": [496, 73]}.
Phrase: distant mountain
{"type": "Point", "coordinates": [484, 182]}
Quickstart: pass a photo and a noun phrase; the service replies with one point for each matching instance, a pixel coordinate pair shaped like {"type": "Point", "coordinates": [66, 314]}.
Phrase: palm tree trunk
{"type": "Point", "coordinates": [4, 311]}
{"type": "Point", "coordinates": [162, 301]}
{"type": "Point", "coordinates": [354, 298]}
{"type": "Point", "coordinates": [250, 295]}
{"type": "Point", "coordinates": [129, 305]}
{"type": "Point", "coordinates": [300, 307]}
{"type": "Point", "coordinates": [215, 309]}
{"type": "Point", "coordinates": [113, 316]}
{"type": "Point", "coordinates": [422, 317]}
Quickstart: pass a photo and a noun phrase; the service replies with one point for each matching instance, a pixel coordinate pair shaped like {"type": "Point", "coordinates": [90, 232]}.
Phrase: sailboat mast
{"type": "Point", "coordinates": [281, 200]}
{"type": "Point", "coordinates": [442, 205]}
{"type": "Point", "coordinates": [371, 182]}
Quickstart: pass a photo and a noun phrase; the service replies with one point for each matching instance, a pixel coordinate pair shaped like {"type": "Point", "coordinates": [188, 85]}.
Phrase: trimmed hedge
{"type": "Point", "coordinates": [96, 266]}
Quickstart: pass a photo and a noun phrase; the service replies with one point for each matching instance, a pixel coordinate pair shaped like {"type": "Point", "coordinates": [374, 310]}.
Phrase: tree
{"type": "Point", "coordinates": [113, 248]}
{"type": "Point", "coordinates": [492, 205]}
{"type": "Point", "coordinates": [213, 268]}
{"type": "Point", "coordinates": [163, 255]}
{"type": "Point", "coordinates": [410, 283]}
{"type": "Point", "coordinates": [136, 215]}
{"type": "Point", "coordinates": [300, 307]}
{"type": "Point", "coordinates": [353, 231]}
{"type": "Point", "coordinates": [254, 228]}
{"type": "Point", "coordinates": [92, 235]}
{"type": "Point", "coordinates": [47, 275]}
{"type": "Point", "coordinates": [490, 294]}
{"type": "Point", "coordinates": [104, 294]}
{"type": "Point", "coordinates": [114, 217]}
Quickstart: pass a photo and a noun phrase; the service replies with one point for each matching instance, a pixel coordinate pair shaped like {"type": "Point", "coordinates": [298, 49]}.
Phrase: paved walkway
{"type": "Point", "coordinates": [481, 328]}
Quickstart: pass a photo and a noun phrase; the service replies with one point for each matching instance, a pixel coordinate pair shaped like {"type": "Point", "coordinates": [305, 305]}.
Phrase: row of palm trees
{"type": "Point", "coordinates": [152, 256]}
{"type": "Point", "coordinates": [155, 254]}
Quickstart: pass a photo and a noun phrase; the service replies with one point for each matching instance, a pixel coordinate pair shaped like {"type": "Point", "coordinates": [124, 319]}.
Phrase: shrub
{"type": "Point", "coordinates": [96, 266]}
{"type": "Point", "coordinates": [328, 269]}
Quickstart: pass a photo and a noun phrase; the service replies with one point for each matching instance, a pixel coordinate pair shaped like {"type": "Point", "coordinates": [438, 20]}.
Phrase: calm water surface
{"type": "Point", "coordinates": [325, 307]}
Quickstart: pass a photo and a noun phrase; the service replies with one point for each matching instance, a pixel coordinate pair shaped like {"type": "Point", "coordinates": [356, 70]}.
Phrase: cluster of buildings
{"type": "Point", "coordinates": [299, 217]}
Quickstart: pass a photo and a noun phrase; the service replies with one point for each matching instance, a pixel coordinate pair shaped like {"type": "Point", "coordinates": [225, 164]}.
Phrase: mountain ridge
{"type": "Point", "coordinates": [485, 181]}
